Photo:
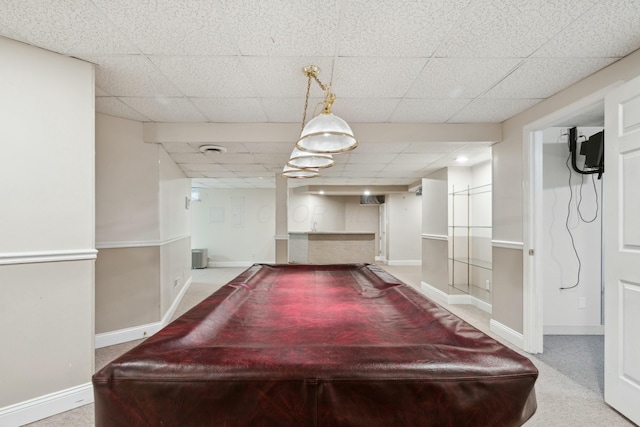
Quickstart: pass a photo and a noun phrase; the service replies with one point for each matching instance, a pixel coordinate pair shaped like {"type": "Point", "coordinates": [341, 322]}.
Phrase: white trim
{"type": "Point", "coordinates": [574, 330]}
{"type": "Point", "coordinates": [48, 256]}
{"type": "Point", "coordinates": [435, 236]}
{"type": "Point", "coordinates": [455, 299]}
{"type": "Point", "coordinates": [381, 259]}
{"type": "Point", "coordinates": [107, 339]}
{"type": "Point", "coordinates": [138, 243]}
{"type": "Point", "coordinates": [506, 244]}
{"type": "Point", "coordinates": [282, 237]}
{"type": "Point", "coordinates": [506, 333]}
{"type": "Point", "coordinates": [246, 264]}
{"type": "Point", "coordinates": [45, 406]}
{"type": "Point", "coordinates": [434, 293]}
{"type": "Point", "coordinates": [405, 262]}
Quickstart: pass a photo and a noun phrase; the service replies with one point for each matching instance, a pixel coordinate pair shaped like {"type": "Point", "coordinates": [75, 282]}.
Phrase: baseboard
{"type": "Point", "coordinates": [507, 333]}
{"type": "Point", "coordinates": [573, 330]}
{"type": "Point", "coordinates": [381, 260]}
{"type": "Point", "coordinates": [443, 297]}
{"type": "Point", "coordinates": [434, 293]}
{"type": "Point", "coordinates": [45, 406]}
{"type": "Point", "coordinates": [405, 262]}
{"type": "Point", "coordinates": [120, 336]}
{"type": "Point", "coordinates": [245, 264]}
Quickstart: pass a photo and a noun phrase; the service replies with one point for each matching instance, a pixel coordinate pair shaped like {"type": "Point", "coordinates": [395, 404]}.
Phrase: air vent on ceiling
{"type": "Point", "coordinates": [212, 149]}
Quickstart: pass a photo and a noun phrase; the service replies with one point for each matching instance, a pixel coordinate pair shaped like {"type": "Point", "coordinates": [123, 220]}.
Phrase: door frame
{"type": "Point", "coordinates": [532, 295]}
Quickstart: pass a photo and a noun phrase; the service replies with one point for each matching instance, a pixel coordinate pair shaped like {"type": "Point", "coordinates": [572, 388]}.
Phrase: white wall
{"type": "Point", "coordinates": [47, 232]}
{"type": "Point", "coordinates": [562, 312]}
{"type": "Point", "coordinates": [404, 216]}
{"type": "Point", "coordinates": [326, 213]}
{"type": "Point", "coordinates": [237, 226]}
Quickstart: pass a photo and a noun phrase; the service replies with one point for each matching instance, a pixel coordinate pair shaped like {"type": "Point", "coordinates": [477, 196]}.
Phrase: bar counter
{"type": "Point", "coordinates": [331, 247]}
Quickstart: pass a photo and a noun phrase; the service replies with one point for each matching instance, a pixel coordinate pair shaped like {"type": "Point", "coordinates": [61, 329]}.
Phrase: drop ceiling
{"type": "Point", "coordinates": [239, 62]}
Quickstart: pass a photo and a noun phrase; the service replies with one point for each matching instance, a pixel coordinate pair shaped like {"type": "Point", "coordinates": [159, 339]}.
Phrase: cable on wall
{"type": "Point", "coordinates": [571, 160]}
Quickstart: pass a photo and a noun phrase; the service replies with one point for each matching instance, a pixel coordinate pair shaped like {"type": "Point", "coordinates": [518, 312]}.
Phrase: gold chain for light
{"type": "Point", "coordinates": [329, 98]}
{"type": "Point", "coordinates": [306, 102]}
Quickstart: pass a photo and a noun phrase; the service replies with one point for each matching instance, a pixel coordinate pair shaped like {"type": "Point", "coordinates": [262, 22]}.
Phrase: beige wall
{"type": "Point", "coordinates": [435, 271]}
{"type": "Point", "coordinates": [143, 226]}
{"type": "Point", "coordinates": [127, 281]}
{"type": "Point", "coordinates": [127, 183]}
{"type": "Point", "coordinates": [46, 224]}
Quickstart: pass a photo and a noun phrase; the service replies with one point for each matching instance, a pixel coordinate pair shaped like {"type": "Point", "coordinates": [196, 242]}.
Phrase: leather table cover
{"type": "Point", "coordinates": [321, 345]}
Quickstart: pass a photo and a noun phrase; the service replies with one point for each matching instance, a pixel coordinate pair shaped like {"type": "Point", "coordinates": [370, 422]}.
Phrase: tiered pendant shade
{"type": "Point", "coordinates": [303, 159]}
{"type": "Point", "coordinates": [290, 172]}
{"type": "Point", "coordinates": [327, 134]}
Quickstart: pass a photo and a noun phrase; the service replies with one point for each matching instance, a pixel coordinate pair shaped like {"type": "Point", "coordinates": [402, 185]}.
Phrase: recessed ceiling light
{"type": "Point", "coordinates": [367, 192]}
{"type": "Point", "coordinates": [461, 159]}
{"type": "Point", "coordinates": [321, 192]}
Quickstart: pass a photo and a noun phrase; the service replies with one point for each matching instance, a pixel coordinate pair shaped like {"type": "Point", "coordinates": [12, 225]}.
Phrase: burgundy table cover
{"type": "Point", "coordinates": [328, 345]}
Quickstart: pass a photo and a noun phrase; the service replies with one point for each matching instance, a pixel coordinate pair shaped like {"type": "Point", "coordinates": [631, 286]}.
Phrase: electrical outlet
{"type": "Point", "coordinates": [582, 302]}
{"type": "Point", "coordinates": [487, 284]}
{"type": "Point", "coordinates": [176, 282]}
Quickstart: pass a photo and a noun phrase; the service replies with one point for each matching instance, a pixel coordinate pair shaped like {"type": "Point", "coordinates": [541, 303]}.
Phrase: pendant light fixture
{"type": "Point", "coordinates": [326, 133]}
{"type": "Point", "coordinates": [304, 159]}
{"type": "Point", "coordinates": [290, 172]}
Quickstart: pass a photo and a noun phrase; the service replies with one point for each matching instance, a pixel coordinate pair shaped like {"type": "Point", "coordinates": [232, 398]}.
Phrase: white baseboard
{"type": "Point", "coordinates": [381, 259]}
{"type": "Point", "coordinates": [507, 333]}
{"type": "Point", "coordinates": [405, 262]}
{"type": "Point", "coordinates": [245, 264]}
{"type": "Point", "coordinates": [443, 297]}
{"type": "Point", "coordinates": [573, 330]}
{"type": "Point", "coordinates": [45, 406]}
{"type": "Point", "coordinates": [142, 331]}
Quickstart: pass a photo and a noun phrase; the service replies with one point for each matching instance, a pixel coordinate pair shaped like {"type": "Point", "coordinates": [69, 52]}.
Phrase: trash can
{"type": "Point", "coordinates": [199, 258]}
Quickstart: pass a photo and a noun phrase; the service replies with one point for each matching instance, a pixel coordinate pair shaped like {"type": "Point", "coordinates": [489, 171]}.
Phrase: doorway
{"type": "Point", "coordinates": [563, 250]}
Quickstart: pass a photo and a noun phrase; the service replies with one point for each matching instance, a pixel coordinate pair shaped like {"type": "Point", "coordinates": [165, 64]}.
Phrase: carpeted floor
{"type": "Point", "coordinates": [579, 357]}
{"type": "Point", "coordinates": [563, 401]}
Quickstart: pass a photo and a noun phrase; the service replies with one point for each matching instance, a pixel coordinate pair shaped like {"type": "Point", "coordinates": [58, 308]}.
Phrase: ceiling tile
{"type": "Point", "coordinates": [282, 77]}
{"type": "Point", "coordinates": [492, 110]}
{"type": "Point", "coordinates": [131, 75]}
{"type": "Point", "coordinates": [101, 92]}
{"type": "Point", "coordinates": [370, 158]}
{"type": "Point", "coordinates": [427, 110]}
{"type": "Point", "coordinates": [231, 110]}
{"type": "Point", "coordinates": [114, 107]}
{"type": "Point", "coordinates": [165, 109]}
{"type": "Point", "coordinates": [609, 29]}
{"type": "Point", "coordinates": [416, 158]}
{"type": "Point", "coordinates": [283, 27]}
{"type": "Point", "coordinates": [288, 110]}
{"type": "Point", "coordinates": [396, 28]}
{"type": "Point", "coordinates": [171, 27]}
{"type": "Point", "coordinates": [375, 77]}
{"type": "Point", "coordinates": [231, 147]}
{"type": "Point", "coordinates": [179, 147]}
{"type": "Point", "coordinates": [460, 77]}
{"type": "Point", "coordinates": [234, 159]}
{"type": "Point", "coordinates": [432, 147]}
{"type": "Point", "coordinates": [202, 167]}
{"type": "Point", "coordinates": [206, 76]}
{"type": "Point", "coordinates": [241, 167]}
{"type": "Point", "coordinates": [388, 147]}
{"type": "Point", "coordinates": [363, 110]}
{"type": "Point", "coordinates": [366, 167]}
{"type": "Point", "coordinates": [542, 77]}
{"type": "Point", "coordinates": [190, 158]}
{"type": "Point", "coordinates": [509, 29]}
{"type": "Point", "coordinates": [270, 147]}
{"type": "Point", "coordinates": [75, 27]}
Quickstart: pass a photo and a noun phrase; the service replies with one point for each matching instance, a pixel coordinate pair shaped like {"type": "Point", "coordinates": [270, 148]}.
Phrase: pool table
{"type": "Point", "coordinates": [316, 345]}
